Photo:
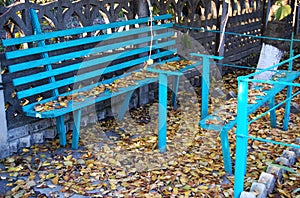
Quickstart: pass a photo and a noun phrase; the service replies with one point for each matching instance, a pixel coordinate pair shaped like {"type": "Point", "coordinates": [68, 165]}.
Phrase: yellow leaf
{"type": "Point", "coordinates": [175, 191]}
{"type": "Point", "coordinates": [15, 189]}
{"type": "Point", "coordinates": [55, 180]}
{"type": "Point", "coordinates": [113, 186]}
{"type": "Point", "coordinates": [46, 163]}
{"type": "Point", "coordinates": [68, 163]}
{"type": "Point", "coordinates": [183, 179]}
{"type": "Point", "coordinates": [19, 182]}
{"type": "Point", "coordinates": [68, 158]}
{"type": "Point", "coordinates": [15, 169]}
{"type": "Point", "coordinates": [187, 193]}
{"type": "Point", "coordinates": [49, 176]}
{"type": "Point", "coordinates": [202, 187]}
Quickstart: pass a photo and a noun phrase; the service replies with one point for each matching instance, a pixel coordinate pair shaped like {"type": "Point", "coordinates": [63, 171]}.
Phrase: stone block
{"type": "Point", "coordinates": [17, 133]}
{"type": "Point", "coordinates": [14, 146]}
{"type": "Point", "coordinates": [142, 97]}
{"type": "Point", "coordinates": [217, 92]}
{"type": "Point", "coordinates": [37, 138]}
{"type": "Point", "coordinates": [101, 115]}
{"type": "Point", "coordinates": [269, 180]}
{"type": "Point", "coordinates": [245, 194]}
{"type": "Point", "coordinates": [25, 141]}
{"type": "Point", "coordinates": [50, 133]}
{"type": "Point", "coordinates": [40, 125]}
{"type": "Point", "coordinates": [259, 189]}
{"type": "Point", "coordinates": [295, 108]}
{"type": "Point", "coordinates": [69, 126]}
{"type": "Point", "coordinates": [282, 161]}
{"type": "Point", "coordinates": [84, 121]}
{"type": "Point", "coordinates": [4, 151]}
{"type": "Point", "coordinates": [274, 170]}
{"type": "Point", "coordinates": [290, 155]}
{"type": "Point", "coordinates": [93, 118]}
{"type": "Point", "coordinates": [192, 81]}
{"type": "Point", "coordinates": [197, 81]}
{"type": "Point", "coordinates": [108, 113]}
{"type": "Point", "coordinates": [134, 101]}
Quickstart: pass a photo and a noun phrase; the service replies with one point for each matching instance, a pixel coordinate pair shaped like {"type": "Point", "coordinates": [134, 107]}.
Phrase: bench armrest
{"type": "Point", "coordinates": [165, 72]}
{"type": "Point", "coordinates": [208, 56]}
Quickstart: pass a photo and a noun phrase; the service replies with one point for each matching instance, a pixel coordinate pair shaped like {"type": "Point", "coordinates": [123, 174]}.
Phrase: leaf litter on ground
{"type": "Point", "coordinates": [121, 159]}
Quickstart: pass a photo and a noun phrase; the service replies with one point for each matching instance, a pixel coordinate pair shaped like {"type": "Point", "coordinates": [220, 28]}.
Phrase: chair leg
{"type": "Point", "coordinates": [175, 86]}
{"type": "Point", "coordinates": [226, 151]}
{"type": "Point", "coordinates": [162, 112]}
{"type": "Point", "coordinates": [61, 129]}
{"type": "Point", "coordinates": [287, 109]}
{"type": "Point", "coordinates": [76, 129]}
{"type": "Point", "coordinates": [273, 112]}
{"type": "Point", "coordinates": [124, 106]}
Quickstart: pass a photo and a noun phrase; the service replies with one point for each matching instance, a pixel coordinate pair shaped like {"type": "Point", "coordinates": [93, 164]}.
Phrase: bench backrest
{"type": "Point", "coordinates": [65, 61]}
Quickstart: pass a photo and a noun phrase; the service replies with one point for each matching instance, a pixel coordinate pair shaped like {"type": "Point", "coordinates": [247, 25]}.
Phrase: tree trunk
{"type": "Point", "coordinates": [269, 55]}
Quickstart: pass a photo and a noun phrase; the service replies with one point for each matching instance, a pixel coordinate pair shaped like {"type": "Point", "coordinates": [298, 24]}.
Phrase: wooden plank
{"type": "Point", "coordinates": [80, 30]}
{"type": "Point", "coordinates": [81, 41]}
{"type": "Point", "coordinates": [76, 79]}
{"type": "Point", "coordinates": [54, 59]}
{"type": "Point", "coordinates": [90, 63]}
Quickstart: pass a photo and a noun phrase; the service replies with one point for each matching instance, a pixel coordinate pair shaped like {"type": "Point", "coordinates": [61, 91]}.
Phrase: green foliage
{"type": "Point", "coordinates": [156, 10]}
{"type": "Point", "coordinates": [186, 42]}
{"type": "Point", "coordinates": [282, 11]}
{"type": "Point", "coordinates": [6, 2]}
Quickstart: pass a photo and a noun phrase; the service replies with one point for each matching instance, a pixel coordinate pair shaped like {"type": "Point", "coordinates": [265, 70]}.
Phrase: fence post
{"type": "Point", "coordinates": [4, 150]}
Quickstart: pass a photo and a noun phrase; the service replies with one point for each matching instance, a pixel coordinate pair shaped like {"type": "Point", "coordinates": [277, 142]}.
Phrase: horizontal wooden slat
{"type": "Point", "coordinates": [74, 31]}
{"type": "Point", "coordinates": [90, 63]}
{"type": "Point", "coordinates": [76, 79]}
{"type": "Point", "coordinates": [81, 41]}
{"type": "Point", "coordinates": [54, 59]}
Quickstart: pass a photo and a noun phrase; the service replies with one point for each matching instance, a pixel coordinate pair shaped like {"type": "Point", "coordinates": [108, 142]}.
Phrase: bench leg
{"type": "Point", "coordinates": [226, 151]}
{"type": "Point", "coordinates": [162, 112]}
{"type": "Point", "coordinates": [287, 109]}
{"type": "Point", "coordinates": [241, 139]}
{"type": "Point", "coordinates": [175, 86]}
{"type": "Point", "coordinates": [273, 112]}
{"type": "Point", "coordinates": [76, 129]}
{"type": "Point", "coordinates": [124, 105]}
{"type": "Point", "coordinates": [61, 129]}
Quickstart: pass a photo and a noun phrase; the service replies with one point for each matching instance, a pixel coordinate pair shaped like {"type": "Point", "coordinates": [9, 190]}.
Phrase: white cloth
{"type": "Point", "coordinates": [269, 55]}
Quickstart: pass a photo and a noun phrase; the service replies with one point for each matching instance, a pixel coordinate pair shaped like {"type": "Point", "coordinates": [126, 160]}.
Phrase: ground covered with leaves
{"type": "Point", "coordinates": [120, 158]}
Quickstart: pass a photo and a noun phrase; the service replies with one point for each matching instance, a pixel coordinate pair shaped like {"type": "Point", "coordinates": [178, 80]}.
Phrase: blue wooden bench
{"type": "Point", "coordinates": [281, 79]}
{"type": "Point", "coordinates": [75, 68]}
{"type": "Point", "coordinates": [259, 96]}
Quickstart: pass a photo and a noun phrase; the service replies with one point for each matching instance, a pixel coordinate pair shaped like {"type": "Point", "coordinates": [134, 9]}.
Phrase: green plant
{"type": "Point", "coordinates": [282, 10]}
{"type": "Point", "coordinates": [6, 2]}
